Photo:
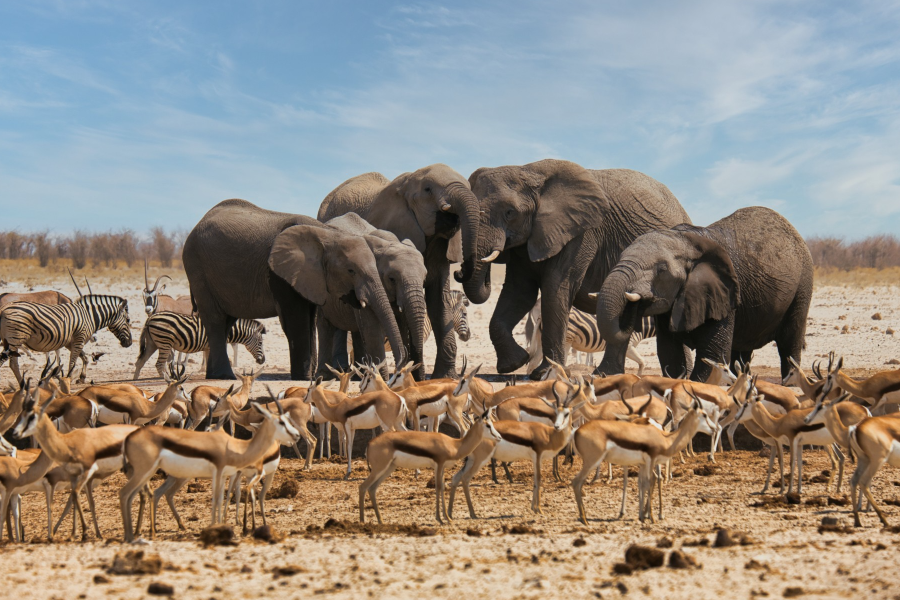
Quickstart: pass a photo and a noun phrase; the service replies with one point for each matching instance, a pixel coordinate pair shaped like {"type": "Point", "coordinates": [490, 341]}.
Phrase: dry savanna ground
{"type": "Point", "coordinates": [507, 552]}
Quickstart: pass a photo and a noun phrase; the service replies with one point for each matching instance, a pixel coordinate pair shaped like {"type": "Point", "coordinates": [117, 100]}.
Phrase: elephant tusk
{"type": "Point", "coordinates": [445, 207]}
{"type": "Point", "coordinates": [594, 295]}
{"type": "Point", "coordinates": [491, 257]}
{"type": "Point", "coordinates": [363, 303]}
{"type": "Point", "coordinates": [632, 297]}
{"type": "Point", "coordinates": [400, 308]}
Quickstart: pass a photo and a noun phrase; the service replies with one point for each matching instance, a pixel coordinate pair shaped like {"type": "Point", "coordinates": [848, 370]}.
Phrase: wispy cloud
{"type": "Point", "coordinates": [156, 111]}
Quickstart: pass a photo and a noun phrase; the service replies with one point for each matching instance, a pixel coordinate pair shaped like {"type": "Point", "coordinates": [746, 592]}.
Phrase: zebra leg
{"type": "Point", "coordinates": [147, 348]}
{"type": "Point", "coordinates": [165, 355]}
{"type": "Point", "coordinates": [632, 353]}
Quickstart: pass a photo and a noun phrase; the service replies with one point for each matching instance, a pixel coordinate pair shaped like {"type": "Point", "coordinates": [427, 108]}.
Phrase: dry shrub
{"type": "Point", "coordinates": [163, 246]}
{"type": "Point", "coordinates": [874, 252]}
{"type": "Point", "coordinates": [78, 249]}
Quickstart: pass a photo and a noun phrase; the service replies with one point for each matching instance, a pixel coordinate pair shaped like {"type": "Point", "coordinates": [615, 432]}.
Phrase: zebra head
{"type": "Point", "coordinates": [254, 344]}
{"type": "Point", "coordinates": [120, 324]}
{"type": "Point", "coordinates": [461, 317]}
{"type": "Point", "coordinates": [151, 295]}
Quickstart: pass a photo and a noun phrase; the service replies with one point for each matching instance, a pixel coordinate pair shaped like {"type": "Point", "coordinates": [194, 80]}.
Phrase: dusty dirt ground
{"type": "Point", "coordinates": [507, 552]}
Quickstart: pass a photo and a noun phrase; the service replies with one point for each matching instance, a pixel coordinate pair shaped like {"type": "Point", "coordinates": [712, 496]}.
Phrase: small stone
{"type": "Point", "coordinates": [472, 532]}
{"type": "Point", "coordinates": [793, 592]}
{"type": "Point", "coordinates": [98, 579]}
{"type": "Point", "coordinates": [579, 542]}
{"type": "Point", "coordinates": [724, 539]}
{"type": "Point", "coordinates": [792, 498]}
{"type": "Point", "coordinates": [287, 571]}
{"type": "Point", "coordinates": [680, 560]}
{"type": "Point", "coordinates": [218, 535]}
{"type": "Point", "coordinates": [876, 316]}
{"type": "Point", "coordinates": [644, 557]}
{"type": "Point", "coordinates": [160, 589]}
{"type": "Point", "coordinates": [756, 565]}
{"type": "Point", "coordinates": [889, 331]}
{"type": "Point", "coordinates": [267, 533]}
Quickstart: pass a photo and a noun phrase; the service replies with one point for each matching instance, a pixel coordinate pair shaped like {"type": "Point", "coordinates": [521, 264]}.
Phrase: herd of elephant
{"type": "Point", "coordinates": [617, 243]}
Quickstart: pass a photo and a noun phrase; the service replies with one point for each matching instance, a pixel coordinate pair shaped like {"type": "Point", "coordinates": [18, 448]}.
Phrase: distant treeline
{"type": "Point", "coordinates": [107, 249]}
{"type": "Point", "coordinates": [874, 252]}
{"type": "Point", "coordinates": [125, 246]}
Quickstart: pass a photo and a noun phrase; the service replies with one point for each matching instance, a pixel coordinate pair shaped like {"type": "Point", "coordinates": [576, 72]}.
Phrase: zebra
{"type": "Point", "coordinates": [170, 331]}
{"type": "Point", "coordinates": [47, 328]}
{"type": "Point", "coordinates": [582, 335]}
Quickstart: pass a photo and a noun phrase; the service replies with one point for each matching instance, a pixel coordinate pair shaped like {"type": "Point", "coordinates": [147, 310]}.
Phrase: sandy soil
{"type": "Point", "coordinates": [787, 555]}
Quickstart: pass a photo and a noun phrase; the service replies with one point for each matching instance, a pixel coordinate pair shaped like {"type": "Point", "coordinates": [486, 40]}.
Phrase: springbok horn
{"type": "Point", "coordinates": [77, 289]}
{"type": "Point", "coordinates": [88, 284]}
{"type": "Point", "coordinates": [146, 279]}
{"type": "Point", "coordinates": [491, 257]}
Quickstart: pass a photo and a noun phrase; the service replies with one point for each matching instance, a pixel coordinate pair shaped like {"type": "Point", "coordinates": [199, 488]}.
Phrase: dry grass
{"type": "Point", "coordinates": [29, 272]}
{"type": "Point", "coordinates": [857, 278]}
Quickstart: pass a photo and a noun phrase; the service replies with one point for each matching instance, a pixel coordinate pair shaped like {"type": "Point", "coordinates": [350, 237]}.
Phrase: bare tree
{"type": "Point", "coordinates": [163, 246]}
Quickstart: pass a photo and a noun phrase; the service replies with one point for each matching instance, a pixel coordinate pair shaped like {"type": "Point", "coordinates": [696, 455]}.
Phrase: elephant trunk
{"type": "Point", "coordinates": [616, 318]}
{"type": "Point", "coordinates": [490, 243]}
{"type": "Point", "coordinates": [376, 300]}
{"type": "Point", "coordinates": [413, 305]}
{"type": "Point", "coordinates": [465, 205]}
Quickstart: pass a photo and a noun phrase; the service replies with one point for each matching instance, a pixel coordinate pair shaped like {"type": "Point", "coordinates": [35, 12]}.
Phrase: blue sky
{"type": "Point", "coordinates": [116, 113]}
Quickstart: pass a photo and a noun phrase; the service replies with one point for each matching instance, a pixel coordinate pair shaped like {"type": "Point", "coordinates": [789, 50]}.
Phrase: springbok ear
{"type": "Point", "coordinates": [548, 403]}
{"type": "Point", "coordinates": [577, 405]}
{"type": "Point", "coordinates": [262, 410]}
{"type": "Point", "coordinates": [711, 290]}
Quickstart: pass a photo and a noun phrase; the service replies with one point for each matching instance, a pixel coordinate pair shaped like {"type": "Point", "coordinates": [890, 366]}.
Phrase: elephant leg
{"type": "Point", "coordinates": [297, 316]}
{"type": "Point", "coordinates": [792, 334]}
{"type": "Point", "coordinates": [217, 324]}
{"type": "Point", "coordinates": [340, 352]}
{"type": "Point", "coordinates": [671, 352]}
{"type": "Point", "coordinates": [326, 333]}
{"type": "Point", "coordinates": [437, 288]}
{"type": "Point", "coordinates": [556, 302]}
{"type": "Point", "coordinates": [713, 341]}
{"type": "Point", "coordinates": [372, 335]}
{"type": "Point", "coordinates": [517, 297]}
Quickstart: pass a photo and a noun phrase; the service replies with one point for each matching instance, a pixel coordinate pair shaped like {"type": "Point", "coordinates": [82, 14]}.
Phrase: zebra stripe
{"type": "Point", "coordinates": [582, 334]}
{"type": "Point", "coordinates": [47, 328]}
{"type": "Point", "coordinates": [170, 332]}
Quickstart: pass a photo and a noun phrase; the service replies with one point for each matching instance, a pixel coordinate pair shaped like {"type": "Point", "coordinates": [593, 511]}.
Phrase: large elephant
{"type": "Point", "coordinates": [435, 209]}
{"type": "Point", "coordinates": [560, 229]}
{"type": "Point", "coordinates": [724, 290]}
{"type": "Point", "coordinates": [244, 261]}
{"type": "Point", "coordinates": [402, 271]}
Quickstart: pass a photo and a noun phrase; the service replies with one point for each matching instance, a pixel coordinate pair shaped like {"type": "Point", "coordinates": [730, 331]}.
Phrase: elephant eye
{"type": "Point", "coordinates": [428, 189]}
{"type": "Point", "coordinates": [351, 271]}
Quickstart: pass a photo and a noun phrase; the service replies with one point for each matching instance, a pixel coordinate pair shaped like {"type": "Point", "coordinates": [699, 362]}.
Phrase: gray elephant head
{"type": "Point", "coordinates": [543, 205]}
{"type": "Point", "coordinates": [402, 270]}
{"type": "Point", "coordinates": [322, 263]}
{"type": "Point", "coordinates": [678, 272]}
{"type": "Point", "coordinates": [433, 201]}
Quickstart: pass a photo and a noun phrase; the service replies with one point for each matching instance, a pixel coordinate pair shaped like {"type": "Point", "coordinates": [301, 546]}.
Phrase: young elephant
{"type": "Point", "coordinates": [725, 290]}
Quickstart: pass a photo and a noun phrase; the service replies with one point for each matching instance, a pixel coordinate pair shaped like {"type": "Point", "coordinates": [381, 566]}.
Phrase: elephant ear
{"type": "Point", "coordinates": [569, 202]}
{"type": "Point", "coordinates": [454, 248]}
{"type": "Point", "coordinates": [392, 211]}
{"type": "Point", "coordinates": [297, 256]}
{"type": "Point", "coordinates": [711, 290]}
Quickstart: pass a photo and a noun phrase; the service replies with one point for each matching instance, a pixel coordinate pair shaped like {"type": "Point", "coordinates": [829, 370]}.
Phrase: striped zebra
{"type": "Point", "coordinates": [169, 332]}
{"type": "Point", "coordinates": [47, 328]}
{"type": "Point", "coordinates": [582, 335]}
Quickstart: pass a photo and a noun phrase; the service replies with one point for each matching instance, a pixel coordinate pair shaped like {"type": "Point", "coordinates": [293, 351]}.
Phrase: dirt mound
{"type": "Point", "coordinates": [218, 535]}
{"type": "Point", "coordinates": [289, 488]}
{"type": "Point", "coordinates": [135, 562]}
{"type": "Point", "coordinates": [339, 527]}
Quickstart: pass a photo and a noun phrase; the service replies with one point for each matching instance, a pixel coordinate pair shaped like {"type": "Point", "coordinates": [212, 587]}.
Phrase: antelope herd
{"type": "Point", "coordinates": [82, 437]}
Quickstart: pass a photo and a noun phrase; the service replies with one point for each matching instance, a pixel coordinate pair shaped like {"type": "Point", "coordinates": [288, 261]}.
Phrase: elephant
{"type": "Point", "coordinates": [402, 271]}
{"type": "Point", "coordinates": [436, 210]}
{"type": "Point", "coordinates": [243, 261]}
{"type": "Point", "coordinates": [724, 290]}
{"type": "Point", "coordinates": [560, 229]}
